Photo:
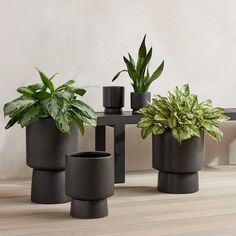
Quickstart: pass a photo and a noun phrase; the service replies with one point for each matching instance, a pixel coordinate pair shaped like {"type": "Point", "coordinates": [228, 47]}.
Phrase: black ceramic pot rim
{"type": "Point", "coordinates": [140, 92]}
{"type": "Point", "coordinates": [89, 155]}
{"type": "Point", "coordinates": [113, 86]}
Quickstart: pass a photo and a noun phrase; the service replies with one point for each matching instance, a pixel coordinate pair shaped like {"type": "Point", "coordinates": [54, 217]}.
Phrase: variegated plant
{"type": "Point", "coordinates": [183, 115]}
{"type": "Point", "coordinates": [139, 72]}
{"type": "Point", "coordinates": [44, 100]}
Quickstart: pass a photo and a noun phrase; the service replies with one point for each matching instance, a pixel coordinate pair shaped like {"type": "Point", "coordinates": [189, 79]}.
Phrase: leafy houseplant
{"type": "Point", "coordinates": [177, 123]}
{"type": "Point", "coordinates": [52, 117]}
{"type": "Point", "coordinates": [43, 100]}
{"type": "Point", "coordinates": [140, 76]}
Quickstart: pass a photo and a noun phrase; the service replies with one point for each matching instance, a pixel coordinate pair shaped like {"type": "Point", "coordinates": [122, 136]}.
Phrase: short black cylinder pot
{"type": "Point", "coordinates": [139, 100]}
{"type": "Point", "coordinates": [178, 164]}
{"type": "Point", "coordinates": [89, 182]}
{"type": "Point", "coordinates": [113, 99]}
{"type": "Point", "coordinates": [46, 147]}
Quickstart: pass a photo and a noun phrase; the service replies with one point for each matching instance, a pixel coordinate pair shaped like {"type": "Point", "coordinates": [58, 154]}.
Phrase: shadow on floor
{"type": "Point", "coordinates": [124, 191]}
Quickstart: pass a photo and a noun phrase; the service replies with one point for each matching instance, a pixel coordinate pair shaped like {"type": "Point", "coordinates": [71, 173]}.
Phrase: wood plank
{"type": "Point", "coordinates": [137, 208]}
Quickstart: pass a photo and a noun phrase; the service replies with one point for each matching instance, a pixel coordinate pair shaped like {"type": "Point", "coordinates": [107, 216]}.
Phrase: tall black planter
{"type": "Point", "coordinates": [113, 99]}
{"type": "Point", "coordinates": [139, 100]}
{"type": "Point", "coordinates": [89, 182]}
{"type": "Point", "coordinates": [46, 147]}
{"type": "Point", "coordinates": [178, 164]}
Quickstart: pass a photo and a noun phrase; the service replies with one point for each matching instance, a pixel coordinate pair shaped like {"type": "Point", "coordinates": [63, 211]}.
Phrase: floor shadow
{"type": "Point", "coordinates": [124, 191]}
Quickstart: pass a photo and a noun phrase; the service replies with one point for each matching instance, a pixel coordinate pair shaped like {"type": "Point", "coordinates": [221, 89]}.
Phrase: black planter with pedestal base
{"type": "Point", "coordinates": [46, 147]}
{"type": "Point", "coordinates": [89, 182]}
{"type": "Point", "coordinates": [178, 164]}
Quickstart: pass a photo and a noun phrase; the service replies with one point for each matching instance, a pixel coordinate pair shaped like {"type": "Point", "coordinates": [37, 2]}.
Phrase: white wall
{"type": "Point", "coordinates": [86, 39]}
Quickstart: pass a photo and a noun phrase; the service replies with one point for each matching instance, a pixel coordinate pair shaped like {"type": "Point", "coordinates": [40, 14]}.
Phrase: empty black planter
{"type": "Point", "coordinates": [113, 99]}
{"type": "Point", "coordinates": [178, 164]}
{"type": "Point", "coordinates": [139, 100]}
{"type": "Point", "coordinates": [89, 182]}
{"type": "Point", "coordinates": [46, 147]}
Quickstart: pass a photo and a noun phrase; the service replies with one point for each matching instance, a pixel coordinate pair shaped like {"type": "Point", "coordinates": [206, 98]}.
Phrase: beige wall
{"type": "Point", "coordinates": [86, 39]}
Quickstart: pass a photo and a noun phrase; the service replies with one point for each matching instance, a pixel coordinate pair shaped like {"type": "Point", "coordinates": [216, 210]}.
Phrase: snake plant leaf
{"type": "Point", "coordinates": [46, 81]}
{"type": "Point", "coordinates": [118, 74]}
{"type": "Point", "coordinates": [141, 54]}
{"type": "Point", "coordinates": [131, 60]}
{"type": "Point", "coordinates": [18, 105]}
{"type": "Point", "coordinates": [130, 68]}
{"type": "Point", "coordinates": [157, 73]}
{"type": "Point", "coordinates": [139, 72]}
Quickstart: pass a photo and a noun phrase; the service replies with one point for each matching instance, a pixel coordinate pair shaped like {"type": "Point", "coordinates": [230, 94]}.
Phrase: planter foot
{"type": "Point", "coordinates": [89, 209]}
{"type": "Point", "coordinates": [178, 183]}
{"type": "Point", "coordinates": [48, 187]}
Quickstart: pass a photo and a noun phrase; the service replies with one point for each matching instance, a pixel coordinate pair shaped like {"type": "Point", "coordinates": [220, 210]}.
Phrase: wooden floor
{"type": "Point", "coordinates": [135, 209]}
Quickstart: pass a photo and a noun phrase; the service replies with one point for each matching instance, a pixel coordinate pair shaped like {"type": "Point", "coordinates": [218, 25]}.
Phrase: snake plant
{"type": "Point", "coordinates": [139, 71]}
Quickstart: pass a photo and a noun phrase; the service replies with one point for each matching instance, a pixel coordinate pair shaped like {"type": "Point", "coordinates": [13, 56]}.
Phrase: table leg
{"type": "Point", "coordinates": [100, 138]}
{"type": "Point", "coordinates": [119, 152]}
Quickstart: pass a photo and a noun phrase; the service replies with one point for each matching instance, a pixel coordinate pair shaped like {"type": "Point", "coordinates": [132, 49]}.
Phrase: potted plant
{"type": "Point", "coordinates": [113, 99]}
{"type": "Point", "coordinates": [52, 117]}
{"type": "Point", "coordinates": [89, 182]}
{"type": "Point", "coordinates": [140, 76]}
{"type": "Point", "coordinates": [177, 123]}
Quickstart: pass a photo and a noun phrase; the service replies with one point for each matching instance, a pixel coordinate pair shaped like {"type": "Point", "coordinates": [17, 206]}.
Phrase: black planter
{"type": "Point", "coordinates": [46, 147]}
{"type": "Point", "coordinates": [139, 100]}
{"type": "Point", "coordinates": [178, 164]}
{"type": "Point", "coordinates": [113, 99]}
{"type": "Point", "coordinates": [89, 182]}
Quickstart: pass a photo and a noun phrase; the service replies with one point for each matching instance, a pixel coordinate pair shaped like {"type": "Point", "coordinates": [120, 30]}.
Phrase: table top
{"type": "Point", "coordinates": [128, 118]}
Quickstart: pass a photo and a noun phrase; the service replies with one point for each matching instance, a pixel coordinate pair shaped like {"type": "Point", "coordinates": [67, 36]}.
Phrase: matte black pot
{"type": "Point", "coordinates": [178, 164]}
{"type": "Point", "coordinates": [139, 100]}
{"type": "Point", "coordinates": [113, 99]}
{"type": "Point", "coordinates": [89, 182]}
{"type": "Point", "coordinates": [46, 147]}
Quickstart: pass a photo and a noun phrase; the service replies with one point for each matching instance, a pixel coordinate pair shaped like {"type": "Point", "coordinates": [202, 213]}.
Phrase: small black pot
{"type": "Point", "coordinates": [178, 164]}
{"type": "Point", "coordinates": [89, 182]}
{"type": "Point", "coordinates": [113, 99]}
{"type": "Point", "coordinates": [139, 100]}
{"type": "Point", "coordinates": [46, 147]}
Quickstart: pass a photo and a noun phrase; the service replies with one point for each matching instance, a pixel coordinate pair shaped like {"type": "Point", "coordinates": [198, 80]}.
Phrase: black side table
{"type": "Point", "coordinates": [118, 122]}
